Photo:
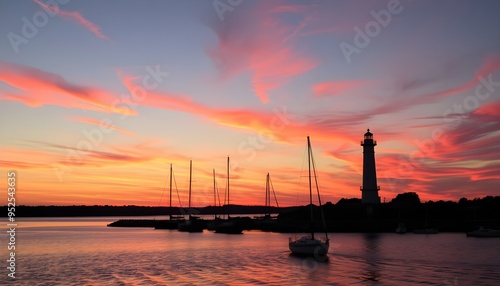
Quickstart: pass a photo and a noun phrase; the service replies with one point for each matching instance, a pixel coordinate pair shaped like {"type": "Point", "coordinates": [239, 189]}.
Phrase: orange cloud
{"type": "Point", "coordinates": [43, 88]}
{"type": "Point", "coordinates": [280, 124]}
{"type": "Point", "coordinates": [19, 165]}
{"type": "Point", "coordinates": [75, 17]}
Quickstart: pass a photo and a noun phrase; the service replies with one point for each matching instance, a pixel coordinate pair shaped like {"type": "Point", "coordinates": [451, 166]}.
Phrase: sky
{"type": "Point", "coordinates": [97, 99]}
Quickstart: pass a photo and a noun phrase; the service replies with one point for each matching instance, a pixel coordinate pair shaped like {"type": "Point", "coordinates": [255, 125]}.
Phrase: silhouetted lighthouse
{"type": "Point", "coordinates": [369, 189]}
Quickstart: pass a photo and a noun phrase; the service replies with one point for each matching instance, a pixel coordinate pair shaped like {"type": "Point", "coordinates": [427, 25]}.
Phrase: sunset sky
{"type": "Point", "coordinates": [98, 98]}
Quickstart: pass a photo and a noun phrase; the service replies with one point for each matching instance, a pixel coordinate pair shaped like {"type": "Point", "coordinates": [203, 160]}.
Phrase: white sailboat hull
{"type": "Point", "coordinates": [308, 246]}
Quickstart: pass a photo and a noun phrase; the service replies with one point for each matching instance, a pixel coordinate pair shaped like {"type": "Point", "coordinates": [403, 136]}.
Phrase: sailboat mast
{"type": "Point", "coordinates": [190, 175]}
{"type": "Point", "coordinates": [310, 185]}
{"type": "Point", "coordinates": [317, 190]}
{"type": "Point", "coordinates": [267, 190]}
{"type": "Point", "coordinates": [227, 180]}
{"type": "Point", "coordinates": [170, 188]}
{"type": "Point", "coordinates": [215, 197]}
{"type": "Point", "coordinates": [215, 201]}
{"type": "Point", "coordinates": [274, 193]}
{"type": "Point", "coordinates": [268, 194]}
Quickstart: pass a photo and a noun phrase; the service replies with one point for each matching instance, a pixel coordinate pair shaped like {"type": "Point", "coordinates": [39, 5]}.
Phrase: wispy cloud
{"type": "Point", "coordinates": [280, 124]}
{"type": "Point", "coordinates": [491, 109]}
{"type": "Point", "coordinates": [464, 161]}
{"type": "Point", "coordinates": [398, 103]}
{"type": "Point", "coordinates": [332, 88]}
{"type": "Point", "coordinates": [258, 41]}
{"type": "Point", "coordinates": [38, 88]}
{"type": "Point", "coordinates": [75, 17]}
{"type": "Point", "coordinates": [489, 66]}
{"type": "Point", "coordinates": [100, 123]}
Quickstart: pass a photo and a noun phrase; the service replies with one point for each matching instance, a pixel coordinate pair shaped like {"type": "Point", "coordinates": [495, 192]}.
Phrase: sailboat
{"type": "Point", "coordinates": [267, 215]}
{"type": "Point", "coordinates": [212, 225]}
{"type": "Point", "coordinates": [174, 221]}
{"type": "Point", "coordinates": [230, 226]}
{"type": "Point", "coordinates": [193, 224]}
{"type": "Point", "coordinates": [267, 222]}
{"type": "Point", "coordinates": [484, 232]}
{"type": "Point", "coordinates": [309, 245]}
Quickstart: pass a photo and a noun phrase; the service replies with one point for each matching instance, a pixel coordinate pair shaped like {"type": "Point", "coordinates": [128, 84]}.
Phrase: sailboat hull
{"type": "Point", "coordinates": [229, 227]}
{"type": "Point", "coordinates": [309, 246]}
{"type": "Point", "coordinates": [167, 224]}
{"type": "Point", "coordinates": [191, 226]}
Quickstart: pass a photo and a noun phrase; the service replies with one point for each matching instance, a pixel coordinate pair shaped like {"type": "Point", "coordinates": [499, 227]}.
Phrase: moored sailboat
{"type": "Point", "coordinates": [267, 222]}
{"type": "Point", "coordinates": [484, 232]}
{"type": "Point", "coordinates": [231, 225]}
{"type": "Point", "coordinates": [193, 224]}
{"type": "Point", "coordinates": [309, 244]}
{"type": "Point", "coordinates": [212, 225]}
{"type": "Point", "coordinates": [173, 222]}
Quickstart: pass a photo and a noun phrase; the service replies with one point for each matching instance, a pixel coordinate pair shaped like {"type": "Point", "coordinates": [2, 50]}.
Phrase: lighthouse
{"type": "Point", "coordinates": [369, 189]}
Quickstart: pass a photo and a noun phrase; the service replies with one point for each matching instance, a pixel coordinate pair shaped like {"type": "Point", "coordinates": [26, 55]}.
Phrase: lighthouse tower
{"type": "Point", "coordinates": [369, 189]}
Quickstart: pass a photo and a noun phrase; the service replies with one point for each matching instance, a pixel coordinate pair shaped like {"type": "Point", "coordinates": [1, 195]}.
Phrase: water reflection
{"type": "Point", "coordinates": [371, 272]}
{"type": "Point", "coordinates": [60, 255]}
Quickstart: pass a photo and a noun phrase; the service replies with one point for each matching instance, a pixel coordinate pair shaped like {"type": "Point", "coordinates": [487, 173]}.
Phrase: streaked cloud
{"type": "Point", "coordinates": [100, 123]}
{"type": "Point", "coordinates": [258, 40]}
{"type": "Point", "coordinates": [332, 88]}
{"type": "Point", "coordinates": [37, 88]}
{"type": "Point", "coordinates": [74, 17]}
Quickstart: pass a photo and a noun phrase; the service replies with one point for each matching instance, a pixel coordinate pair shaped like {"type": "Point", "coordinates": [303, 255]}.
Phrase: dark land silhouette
{"type": "Point", "coordinates": [347, 215]}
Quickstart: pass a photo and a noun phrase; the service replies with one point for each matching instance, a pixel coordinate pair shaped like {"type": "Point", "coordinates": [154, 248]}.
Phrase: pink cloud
{"type": "Point", "coordinates": [462, 162]}
{"type": "Point", "coordinates": [488, 67]}
{"type": "Point", "coordinates": [280, 125]}
{"type": "Point", "coordinates": [75, 17]}
{"type": "Point", "coordinates": [399, 103]}
{"type": "Point", "coordinates": [332, 88]}
{"type": "Point", "coordinates": [491, 109]}
{"type": "Point", "coordinates": [38, 88]}
{"type": "Point", "coordinates": [258, 41]}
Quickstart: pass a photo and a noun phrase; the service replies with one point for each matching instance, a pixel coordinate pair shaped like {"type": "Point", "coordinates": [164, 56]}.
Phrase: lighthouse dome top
{"type": "Point", "coordinates": [368, 134]}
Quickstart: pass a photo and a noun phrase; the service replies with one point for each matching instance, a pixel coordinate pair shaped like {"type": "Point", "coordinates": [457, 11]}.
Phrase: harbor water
{"type": "Point", "coordinates": [83, 251]}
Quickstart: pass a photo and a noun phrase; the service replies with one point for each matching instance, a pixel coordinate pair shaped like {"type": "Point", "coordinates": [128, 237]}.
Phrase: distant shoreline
{"type": "Point", "coordinates": [347, 215]}
{"type": "Point", "coordinates": [105, 210]}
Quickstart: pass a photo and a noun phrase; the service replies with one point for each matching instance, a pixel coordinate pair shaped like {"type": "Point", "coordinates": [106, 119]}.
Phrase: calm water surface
{"type": "Point", "coordinates": [83, 251]}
